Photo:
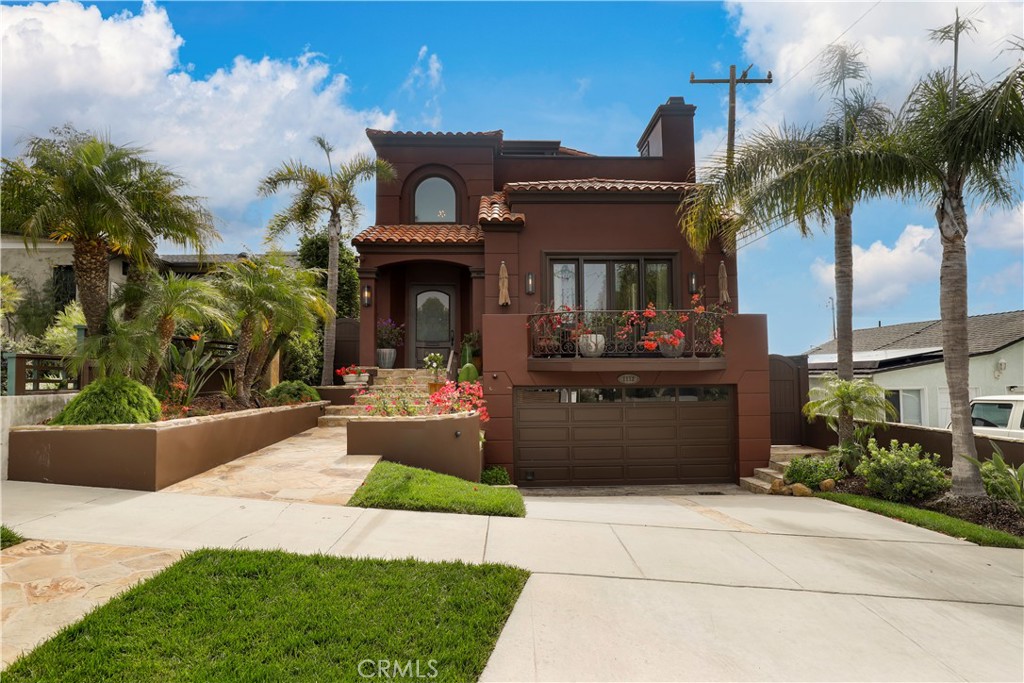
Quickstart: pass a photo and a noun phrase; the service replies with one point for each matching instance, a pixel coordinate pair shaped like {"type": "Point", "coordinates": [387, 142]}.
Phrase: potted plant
{"type": "Point", "coordinates": [353, 374]}
{"type": "Point", "coordinates": [548, 327]}
{"type": "Point", "coordinates": [390, 336]}
{"type": "Point", "coordinates": [707, 327]}
{"type": "Point", "coordinates": [435, 363]}
{"type": "Point", "coordinates": [589, 333]}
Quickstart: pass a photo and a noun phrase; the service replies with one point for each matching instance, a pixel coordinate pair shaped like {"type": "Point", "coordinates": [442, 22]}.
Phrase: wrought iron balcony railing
{"type": "Point", "coordinates": [648, 333]}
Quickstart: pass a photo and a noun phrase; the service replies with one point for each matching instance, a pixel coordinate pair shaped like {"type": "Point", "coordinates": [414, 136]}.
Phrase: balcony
{"type": "Point", "coordinates": [623, 341]}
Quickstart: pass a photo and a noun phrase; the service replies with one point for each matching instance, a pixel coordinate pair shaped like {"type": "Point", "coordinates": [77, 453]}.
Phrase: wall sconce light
{"type": "Point", "coordinates": [694, 289]}
{"type": "Point", "coordinates": [367, 296]}
{"type": "Point", "coordinates": [531, 283]}
{"type": "Point", "coordinates": [1000, 368]}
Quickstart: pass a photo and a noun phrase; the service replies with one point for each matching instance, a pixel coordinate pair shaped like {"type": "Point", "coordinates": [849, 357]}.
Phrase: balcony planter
{"type": "Point", "coordinates": [591, 345]}
{"type": "Point", "coordinates": [149, 457]}
{"type": "Point", "coordinates": [670, 351]}
{"type": "Point", "coordinates": [449, 443]}
{"type": "Point", "coordinates": [352, 379]}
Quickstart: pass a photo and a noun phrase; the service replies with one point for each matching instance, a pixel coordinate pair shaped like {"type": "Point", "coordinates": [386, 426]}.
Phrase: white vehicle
{"type": "Point", "coordinates": [999, 416]}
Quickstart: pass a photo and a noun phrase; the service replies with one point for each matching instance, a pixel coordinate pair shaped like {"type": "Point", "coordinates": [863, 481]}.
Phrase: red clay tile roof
{"type": "Point", "coordinates": [441, 233]}
{"type": "Point", "coordinates": [494, 209]}
{"type": "Point", "coordinates": [570, 152]}
{"type": "Point", "coordinates": [598, 185]}
{"type": "Point", "coordinates": [374, 132]}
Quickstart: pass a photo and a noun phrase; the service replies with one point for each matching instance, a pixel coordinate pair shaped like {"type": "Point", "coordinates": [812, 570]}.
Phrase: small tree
{"type": "Point", "coordinates": [858, 399]}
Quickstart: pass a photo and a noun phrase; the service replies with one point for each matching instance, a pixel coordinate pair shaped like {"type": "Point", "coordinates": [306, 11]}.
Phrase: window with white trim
{"type": "Point", "coordinates": [908, 405]}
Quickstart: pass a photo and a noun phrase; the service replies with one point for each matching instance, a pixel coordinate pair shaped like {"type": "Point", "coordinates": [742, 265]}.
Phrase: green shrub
{"type": "Point", "coordinates": [112, 400]}
{"type": "Point", "coordinates": [302, 358]}
{"type": "Point", "coordinates": [468, 373]}
{"type": "Point", "coordinates": [292, 391]}
{"type": "Point", "coordinates": [61, 337]}
{"type": "Point", "coordinates": [495, 476]}
{"type": "Point", "coordinates": [1001, 480]}
{"type": "Point", "coordinates": [901, 473]}
{"type": "Point", "coordinates": [811, 471]}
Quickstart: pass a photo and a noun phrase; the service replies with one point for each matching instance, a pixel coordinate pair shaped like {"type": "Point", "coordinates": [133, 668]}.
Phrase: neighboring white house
{"type": "Point", "coordinates": [906, 360]}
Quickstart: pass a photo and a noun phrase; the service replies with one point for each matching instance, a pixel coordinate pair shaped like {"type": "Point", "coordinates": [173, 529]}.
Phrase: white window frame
{"type": "Point", "coordinates": [923, 393]}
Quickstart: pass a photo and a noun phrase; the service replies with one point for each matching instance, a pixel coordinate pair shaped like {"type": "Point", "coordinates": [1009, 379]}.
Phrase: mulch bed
{"type": "Point", "coordinates": [994, 514]}
{"type": "Point", "coordinates": [213, 404]}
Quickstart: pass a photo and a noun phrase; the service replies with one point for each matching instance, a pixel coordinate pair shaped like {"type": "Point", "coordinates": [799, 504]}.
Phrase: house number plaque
{"type": "Point", "coordinates": [629, 378]}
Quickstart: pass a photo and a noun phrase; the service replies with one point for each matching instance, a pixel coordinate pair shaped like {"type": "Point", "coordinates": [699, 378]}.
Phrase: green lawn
{"type": "Point", "coordinates": [9, 538]}
{"type": "Point", "coordinates": [936, 521]}
{"type": "Point", "coordinates": [396, 487]}
{"type": "Point", "coordinates": [232, 615]}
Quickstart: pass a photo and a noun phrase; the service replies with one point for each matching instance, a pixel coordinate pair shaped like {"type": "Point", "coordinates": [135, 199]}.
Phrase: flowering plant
{"type": "Point", "coordinates": [435, 363]}
{"type": "Point", "coordinates": [350, 370]}
{"type": "Point", "coordinates": [460, 397]}
{"type": "Point", "coordinates": [708, 323]}
{"type": "Point", "coordinates": [387, 404]}
{"type": "Point", "coordinates": [390, 334]}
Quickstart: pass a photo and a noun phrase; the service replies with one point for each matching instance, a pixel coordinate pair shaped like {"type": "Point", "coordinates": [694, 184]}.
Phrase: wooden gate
{"type": "Point", "coordinates": [788, 378]}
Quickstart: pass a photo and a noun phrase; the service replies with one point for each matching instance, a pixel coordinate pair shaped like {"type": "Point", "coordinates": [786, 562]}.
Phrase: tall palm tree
{"type": "Point", "coordinates": [961, 139]}
{"type": "Point", "coordinates": [103, 197]}
{"type": "Point", "coordinates": [164, 301]}
{"type": "Point", "coordinates": [797, 175]}
{"type": "Point", "coordinates": [319, 194]}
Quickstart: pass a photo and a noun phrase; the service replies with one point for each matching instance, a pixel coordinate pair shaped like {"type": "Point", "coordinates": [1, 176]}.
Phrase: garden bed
{"type": "Point", "coordinates": [1000, 515]}
{"type": "Point", "coordinates": [149, 457]}
{"type": "Point", "coordinates": [448, 443]}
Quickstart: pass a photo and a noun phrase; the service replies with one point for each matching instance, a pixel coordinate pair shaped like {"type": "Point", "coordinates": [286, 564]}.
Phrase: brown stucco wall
{"type": "Point", "coordinates": [154, 456]}
{"type": "Point", "coordinates": [449, 444]}
{"type": "Point", "coordinates": [505, 367]}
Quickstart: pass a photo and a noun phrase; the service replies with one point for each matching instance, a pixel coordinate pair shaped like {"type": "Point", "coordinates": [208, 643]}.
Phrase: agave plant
{"type": "Point", "coordinates": [185, 372]}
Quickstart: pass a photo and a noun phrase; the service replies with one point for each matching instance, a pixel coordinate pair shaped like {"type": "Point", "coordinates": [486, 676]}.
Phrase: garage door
{"type": "Point", "coordinates": [604, 436]}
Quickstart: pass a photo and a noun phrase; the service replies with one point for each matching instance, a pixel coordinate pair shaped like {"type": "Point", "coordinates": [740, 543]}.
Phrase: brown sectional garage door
{"type": "Point", "coordinates": [625, 436]}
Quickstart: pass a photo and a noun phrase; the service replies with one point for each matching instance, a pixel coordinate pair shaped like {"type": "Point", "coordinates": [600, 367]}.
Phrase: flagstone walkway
{"type": "Point", "coordinates": [311, 467]}
{"type": "Point", "coordinates": [49, 584]}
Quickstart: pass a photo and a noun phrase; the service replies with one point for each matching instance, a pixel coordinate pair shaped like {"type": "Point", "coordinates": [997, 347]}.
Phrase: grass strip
{"type": "Point", "coordinates": [235, 615]}
{"type": "Point", "coordinates": [929, 519]}
{"type": "Point", "coordinates": [391, 486]}
{"type": "Point", "coordinates": [9, 538]}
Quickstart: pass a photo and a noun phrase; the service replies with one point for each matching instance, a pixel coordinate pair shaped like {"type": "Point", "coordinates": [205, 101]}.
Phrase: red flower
{"type": "Point", "coordinates": [650, 345]}
{"type": "Point", "coordinates": [678, 334]}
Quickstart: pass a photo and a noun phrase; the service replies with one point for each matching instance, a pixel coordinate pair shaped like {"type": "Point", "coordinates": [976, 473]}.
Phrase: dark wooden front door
{"type": "Point", "coordinates": [431, 326]}
{"type": "Point", "coordinates": [788, 380]}
{"type": "Point", "coordinates": [629, 436]}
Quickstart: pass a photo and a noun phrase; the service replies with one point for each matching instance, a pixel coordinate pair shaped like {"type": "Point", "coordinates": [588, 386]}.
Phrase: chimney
{"type": "Point", "coordinates": [670, 135]}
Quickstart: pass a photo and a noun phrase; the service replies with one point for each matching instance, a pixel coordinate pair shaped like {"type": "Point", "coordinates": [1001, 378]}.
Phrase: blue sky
{"type": "Point", "coordinates": [223, 91]}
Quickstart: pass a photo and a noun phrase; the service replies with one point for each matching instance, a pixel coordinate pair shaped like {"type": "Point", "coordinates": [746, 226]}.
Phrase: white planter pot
{"type": "Point", "coordinates": [590, 345]}
{"type": "Point", "coordinates": [350, 379]}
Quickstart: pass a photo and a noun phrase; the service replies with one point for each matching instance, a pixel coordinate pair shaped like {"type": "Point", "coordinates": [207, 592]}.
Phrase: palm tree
{"type": "Point", "coordinates": [164, 301]}
{"type": "Point", "coordinates": [104, 197]}
{"type": "Point", "coordinates": [861, 399]}
{"type": "Point", "coordinates": [793, 174]}
{"type": "Point", "coordinates": [318, 194]}
{"type": "Point", "coordinates": [960, 137]}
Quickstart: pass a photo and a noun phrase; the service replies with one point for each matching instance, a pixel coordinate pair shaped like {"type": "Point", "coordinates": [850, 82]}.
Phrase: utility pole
{"type": "Point", "coordinates": [732, 81]}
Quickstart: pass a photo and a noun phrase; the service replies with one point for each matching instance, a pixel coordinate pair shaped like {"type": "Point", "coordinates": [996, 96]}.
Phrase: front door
{"type": "Point", "coordinates": [432, 324]}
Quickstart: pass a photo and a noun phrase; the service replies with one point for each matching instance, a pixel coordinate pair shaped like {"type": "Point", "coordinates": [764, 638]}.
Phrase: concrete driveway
{"type": "Point", "coordinates": [656, 588]}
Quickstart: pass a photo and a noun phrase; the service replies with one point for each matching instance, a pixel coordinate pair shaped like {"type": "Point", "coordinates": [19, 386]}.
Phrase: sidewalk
{"type": "Point", "coordinates": [639, 588]}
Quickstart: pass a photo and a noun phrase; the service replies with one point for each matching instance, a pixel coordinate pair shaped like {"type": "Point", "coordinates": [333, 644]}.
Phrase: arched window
{"type": "Point", "coordinates": [434, 201]}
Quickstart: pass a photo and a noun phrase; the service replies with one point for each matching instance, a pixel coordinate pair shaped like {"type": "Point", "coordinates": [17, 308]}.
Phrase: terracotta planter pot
{"type": "Point", "coordinates": [433, 387]}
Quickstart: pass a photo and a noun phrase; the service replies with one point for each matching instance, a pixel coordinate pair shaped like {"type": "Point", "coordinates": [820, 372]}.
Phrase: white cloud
{"type": "Point", "coordinates": [425, 80]}
{"type": "Point", "coordinates": [787, 38]}
{"type": "Point", "coordinates": [1009, 279]}
{"type": "Point", "coordinates": [1002, 230]}
{"type": "Point", "coordinates": [65, 62]}
{"type": "Point", "coordinates": [882, 275]}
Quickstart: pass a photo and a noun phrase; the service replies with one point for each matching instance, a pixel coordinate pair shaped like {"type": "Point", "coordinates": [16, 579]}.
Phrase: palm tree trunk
{"type": "Point", "coordinates": [330, 330]}
{"type": "Point", "coordinates": [275, 348]}
{"type": "Point", "coordinates": [843, 229]}
{"type": "Point", "coordinates": [952, 221]}
{"type": "Point", "coordinates": [137, 276]}
{"type": "Point", "coordinates": [165, 332]}
{"type": "Point", "coordinates": [254, 368]}
{"type": "Point", "coordinates": [92, 277]}
{"type": "Point", "coordinates": [245, 334]}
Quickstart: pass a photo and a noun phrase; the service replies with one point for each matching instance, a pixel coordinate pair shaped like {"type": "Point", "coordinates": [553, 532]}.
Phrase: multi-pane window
{"type": "Point", "coordinates": [611, 284]}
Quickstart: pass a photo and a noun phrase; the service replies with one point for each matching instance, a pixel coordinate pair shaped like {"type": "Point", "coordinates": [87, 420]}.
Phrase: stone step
{"type": "Point", "coordinates": [332, 421]}
{"type": "Point", "coordinates": [783, 453]}
{"type": "Point", "coordinates": [767, 475]}
{"type": "Point", "coordinates": [752, 484]}
{"type": "Point", "coordinates": [346, 410]}
{"type": "Point", "coordinates": [778, 465]}
{"type": "Point", "coordinates": [367, 400]}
